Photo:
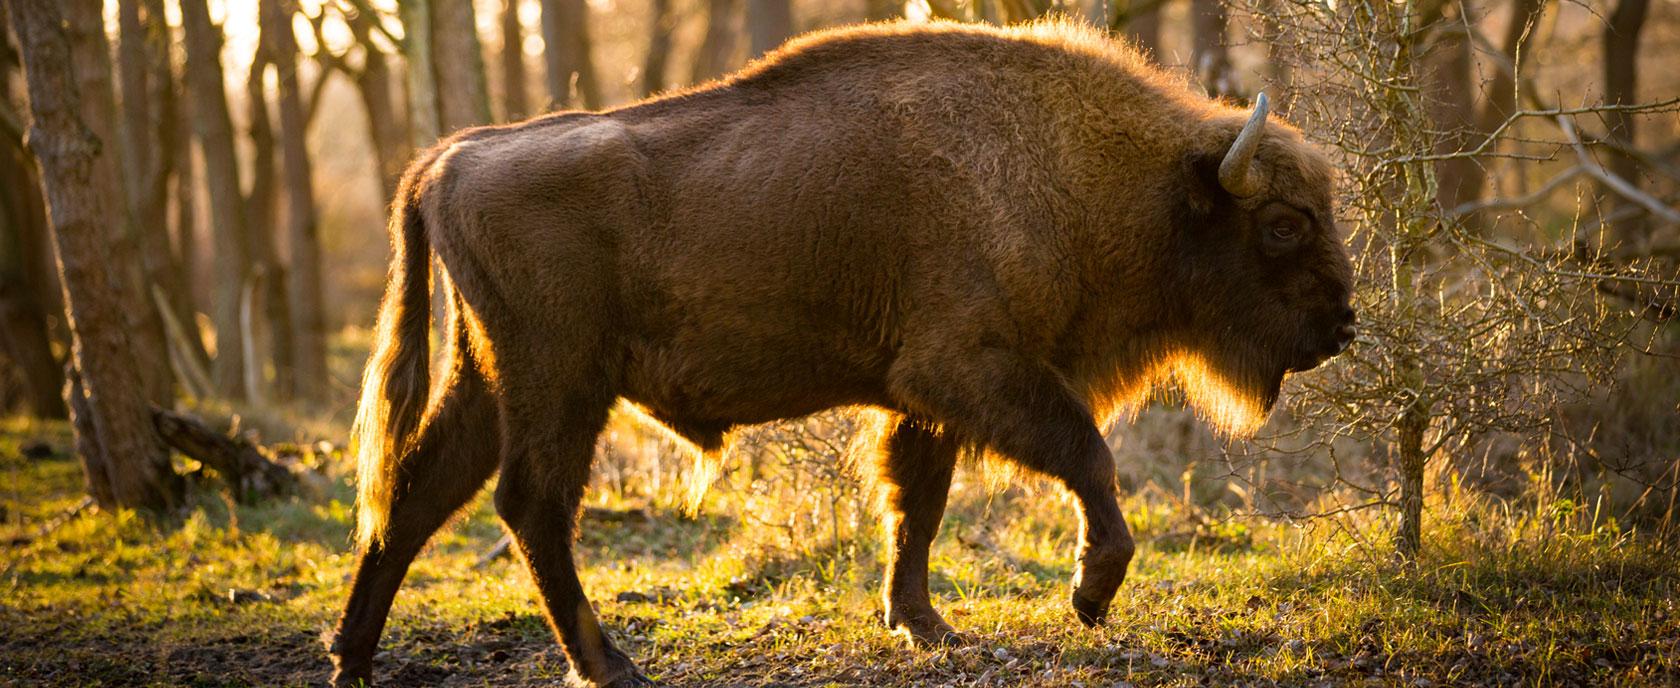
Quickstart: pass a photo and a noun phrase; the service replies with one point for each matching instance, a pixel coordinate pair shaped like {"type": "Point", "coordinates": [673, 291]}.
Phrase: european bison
{"type": "Point", "coordinates": [998, 236]}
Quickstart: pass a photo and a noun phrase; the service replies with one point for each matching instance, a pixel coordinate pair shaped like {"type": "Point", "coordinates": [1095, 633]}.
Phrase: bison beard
{"type": "Point", "coordinates": [994, 236]}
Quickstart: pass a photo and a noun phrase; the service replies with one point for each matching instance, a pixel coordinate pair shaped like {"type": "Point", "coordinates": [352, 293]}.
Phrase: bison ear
{"type": "Point", "coordinates": [1203, 192]}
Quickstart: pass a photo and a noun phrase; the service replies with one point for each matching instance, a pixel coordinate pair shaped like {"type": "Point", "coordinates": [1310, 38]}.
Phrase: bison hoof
{"type": "Point", "coordinates": [1090, 612]}
{"type": "Point", "coordinates": [928, 632]}
{"type": "Point", "coordinates": [634, 679]}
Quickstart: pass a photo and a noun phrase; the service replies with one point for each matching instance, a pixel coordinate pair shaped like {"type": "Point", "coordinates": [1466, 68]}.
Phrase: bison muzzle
{"type": "Point", "coordinates": [1002, 238]}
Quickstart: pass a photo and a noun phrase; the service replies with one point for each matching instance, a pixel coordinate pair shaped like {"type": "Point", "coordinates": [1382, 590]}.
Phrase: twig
{"type": "Point", "coordinates": [1524, 201]}
{"type": "Point", "coordinates": [1617, 184]}
{"type": "Point", "coordinates": [496, 551]}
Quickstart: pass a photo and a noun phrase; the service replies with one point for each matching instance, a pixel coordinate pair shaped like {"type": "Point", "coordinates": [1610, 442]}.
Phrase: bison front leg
{"type": "Point", "coordinates": [1020, 408]}
{"type": "Point", "coordinates": [917, 463]}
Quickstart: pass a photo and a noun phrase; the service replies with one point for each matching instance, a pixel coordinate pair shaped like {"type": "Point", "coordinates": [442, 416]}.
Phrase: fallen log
{"type": "Point", "coordinates": [250, 473]}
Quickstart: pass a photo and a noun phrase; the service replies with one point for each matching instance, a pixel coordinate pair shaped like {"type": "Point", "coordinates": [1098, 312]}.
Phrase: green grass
{"type": "Point", "coordinates": [221, 595]}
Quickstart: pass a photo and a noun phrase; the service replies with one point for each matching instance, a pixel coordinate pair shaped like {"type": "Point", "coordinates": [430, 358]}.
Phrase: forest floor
{"type": "Point", "coordinates": [224, 595]}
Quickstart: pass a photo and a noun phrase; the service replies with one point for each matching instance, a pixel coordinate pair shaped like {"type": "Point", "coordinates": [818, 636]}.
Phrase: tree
{"type": "Point", "coordinates": [716, 53]}
{"type": "Point", "coordinates": [661, 23]}
{"type": "Point", "coordinates": [1209, 55]}
{"type": "Point", "coordinates": [1621, 86]}
{"type": "Point", "coordinates": [307, 328]}
{"type": "Point", "coordinates": [463, 99]}
{"type": "Point", "coordinates": [228, 222]}
{"type": "Point", "coordinates": [769, 23]}
{"type": "Point", "coordinates": [1139, 21]}
{"type": "Point", "coordinates": [566, 46]}
{"type": "Point", "coordinates": [127, 465]}
{"type": "Point", "coordinates": [90, 55]}
{"type": "Point", "coordinates": [423, 124]}
{"type": "Point", "coordinates": [514, 105]}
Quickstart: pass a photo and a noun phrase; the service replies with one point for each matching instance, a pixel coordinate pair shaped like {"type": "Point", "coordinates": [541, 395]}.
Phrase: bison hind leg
{"type": "Point", "coordinates": [917, 462]}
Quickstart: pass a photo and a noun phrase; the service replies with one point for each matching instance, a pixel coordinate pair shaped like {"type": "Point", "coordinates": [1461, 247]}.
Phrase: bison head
{"type": "Point", "coordinates": [1267, 282]}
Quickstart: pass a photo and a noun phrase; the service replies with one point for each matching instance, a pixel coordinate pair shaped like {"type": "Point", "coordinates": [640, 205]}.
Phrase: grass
{"type": "Point", "coordinates": [224, 595]}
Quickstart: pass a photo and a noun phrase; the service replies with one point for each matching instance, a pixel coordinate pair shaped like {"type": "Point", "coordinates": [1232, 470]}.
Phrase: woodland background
{"type": "Point", "coordinates": [1482, 490]}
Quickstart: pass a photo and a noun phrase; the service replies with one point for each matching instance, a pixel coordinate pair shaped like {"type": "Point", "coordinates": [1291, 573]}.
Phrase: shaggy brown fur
{"type": "Point", "coordinates": [999, 236]}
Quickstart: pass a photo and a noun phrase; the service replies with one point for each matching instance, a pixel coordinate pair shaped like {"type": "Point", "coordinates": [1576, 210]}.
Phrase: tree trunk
{"type": "Point", "coordinates": [131, 466]}
{"type": "Point", "coordinates": [150, 116]}
{"type": "Point", "coordinates": [228, 224]}
{"type": "Point", "coordinates": [1411, 426]}
{"type": "Point", "coordinates": [458, 62]}
{"type": "Point", "coordinates": [769, 23]}
{"type": "Point", "coordinates": [1209, 54]}
{"type": "Point", "coordinates": [716, 54]}
{"type": "Point", "coordinates": [90, 56]}
{"type": "Point", "coordinates": [1452, 107]}
{"type": "Point", "coordinates": [424, 127]}
{"type": "Point", "coordinates": [308, 329]}
{"type": "Point", "coordinates": [23, 312]}
{"type": "Point", "coordinates": [661, 23]}
{"type": "Point", "coordinates": [1140, 22]}
{"type": "Point", "coordinates": [269, 318]}
{"type": "Point", "coordinates": [514, 103]}
{"type": "Point", "coordinates": [373, 82]}
{"type": "Point", "coordinates": [883, 10]}
{"type": "Point", "coordinates": [1621, 86]}
{"type": "Point", "coordinates": [566, 47]}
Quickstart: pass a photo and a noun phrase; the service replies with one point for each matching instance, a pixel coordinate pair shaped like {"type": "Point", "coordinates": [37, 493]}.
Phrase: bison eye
{"type": "Point", "coordinates": [1285, 233]}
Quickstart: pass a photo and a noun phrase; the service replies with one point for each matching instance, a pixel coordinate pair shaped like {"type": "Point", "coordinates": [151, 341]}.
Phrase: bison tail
{"type": "Point", "coordinates": [397, 381]}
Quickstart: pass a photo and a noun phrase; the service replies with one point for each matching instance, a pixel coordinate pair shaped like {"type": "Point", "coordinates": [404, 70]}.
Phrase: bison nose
{"type": "Point", "coordinates": [1346, 331]}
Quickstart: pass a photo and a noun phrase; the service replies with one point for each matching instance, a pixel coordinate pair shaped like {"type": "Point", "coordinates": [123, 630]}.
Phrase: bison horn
{"type": "Point", "coordinates": [1236, 172]}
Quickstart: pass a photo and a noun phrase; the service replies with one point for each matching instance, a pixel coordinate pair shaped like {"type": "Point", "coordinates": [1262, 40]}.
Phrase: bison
{"type": "Point", "coordinates": [1000, 237]}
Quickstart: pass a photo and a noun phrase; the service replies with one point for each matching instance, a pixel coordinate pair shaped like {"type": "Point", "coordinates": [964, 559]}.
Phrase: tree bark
{"type": "Point", "coordinates": [228, 223]}
{"type": "Point", "coordinates": [769, 23]}
{"type": "Point", "coordinates": [515, 105]}
{"type": "Point", "coordinates": [716, 54]}
{"type": "Point", "coordinates": [458, 62]}
{"type": "Point", "coordinates": [90, 55]}
{"type": "Point", "coordinates": [390, 144]}
{"type": "Point", "coordinates": [661, 23]}
{"type": "Point", "coordinates": [1140, 22]}
{"type": "Point", "coordinates": [1621, 86]}
{"type": "Point", "coordinates": [566, 47]}
{"type": "Point", "coordinates": [1209, 55]}
{"type": "Point", "coordinates": [269, 319]}
{"type": "Point", "coordinates": [423, 123]}
{"type": "Point", "coordinates": [1452, 107]}
{"type": "Point", "coordinates": [308, 329]}
{"type": "Point", "coordinates": [24, 336]}
{"type": "Point", "coordinates": [883, 10]}
{"type": "Point", "coordinates": [130, 458]}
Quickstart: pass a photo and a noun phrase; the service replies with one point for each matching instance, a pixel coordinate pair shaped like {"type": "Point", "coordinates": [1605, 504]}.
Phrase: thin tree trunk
{"type": "Point", "coordinates": [1140, 22]}
{"type": "Point", "coordinates": [565, 25]}
{"type": "Point", "coordinates": [1621, 86]}
{"type": "Point", "coordinates": [1452, 106]}
{"type": "Point", "coordinates": [228, 224]}
{"type": "Point", "coordinates": [308, 331]}
{"type": "Point", "coordinates": [883, 10]}
{"type": "Point", "coordinates": [1209, 55]}
{"type": "Point", "coordinates": [390, 144]}
{"type": "Point", "coordinates": [423, 123]}
{"type": "Point", "coordinates": [269, 318]}
{"type": "Point", "coordinates": [130, 458]}
{"type": "Point", "coordinates": [716, 54]}
{"type": "Point", "coordinates": [90, 56]}
{"type": "Point", "coordinates": [515, 105]}
{"type": "Point", "coordinates": [769, 23]}
{"type": "Point", "coordinates": [23, 312]}
{"type": "Point", "coordinates": [458, 62]}
{"type": "Point", "coordinates": [661, 23]}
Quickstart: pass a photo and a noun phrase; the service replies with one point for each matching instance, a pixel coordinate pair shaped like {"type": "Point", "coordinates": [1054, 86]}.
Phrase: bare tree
{"type": "Point", "coordinates": [265, 316]}
{"type": "Point", "coordinates": [661, 22]}
{"type": "Point", "coordinates": [566, 47]}
{"type": "Point", "coordinates": [514, 103]}
{"type": "Point", "coordinates": [716, 53]}
{"type": "Point", "coordinates": [769, 22]}
{"type": "Point", "coordinates": [1138, 20]}
{"type": "Point", "coordinates": [883, 10]}
{"type": "Point", "coordinates": [307, 328]}
{"type": "Point", "coordinates": [458, 64]}
{"type": "Point", "coordinates": [129, 466]}
{"type": "Point", "coordinates": [228, 223]}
